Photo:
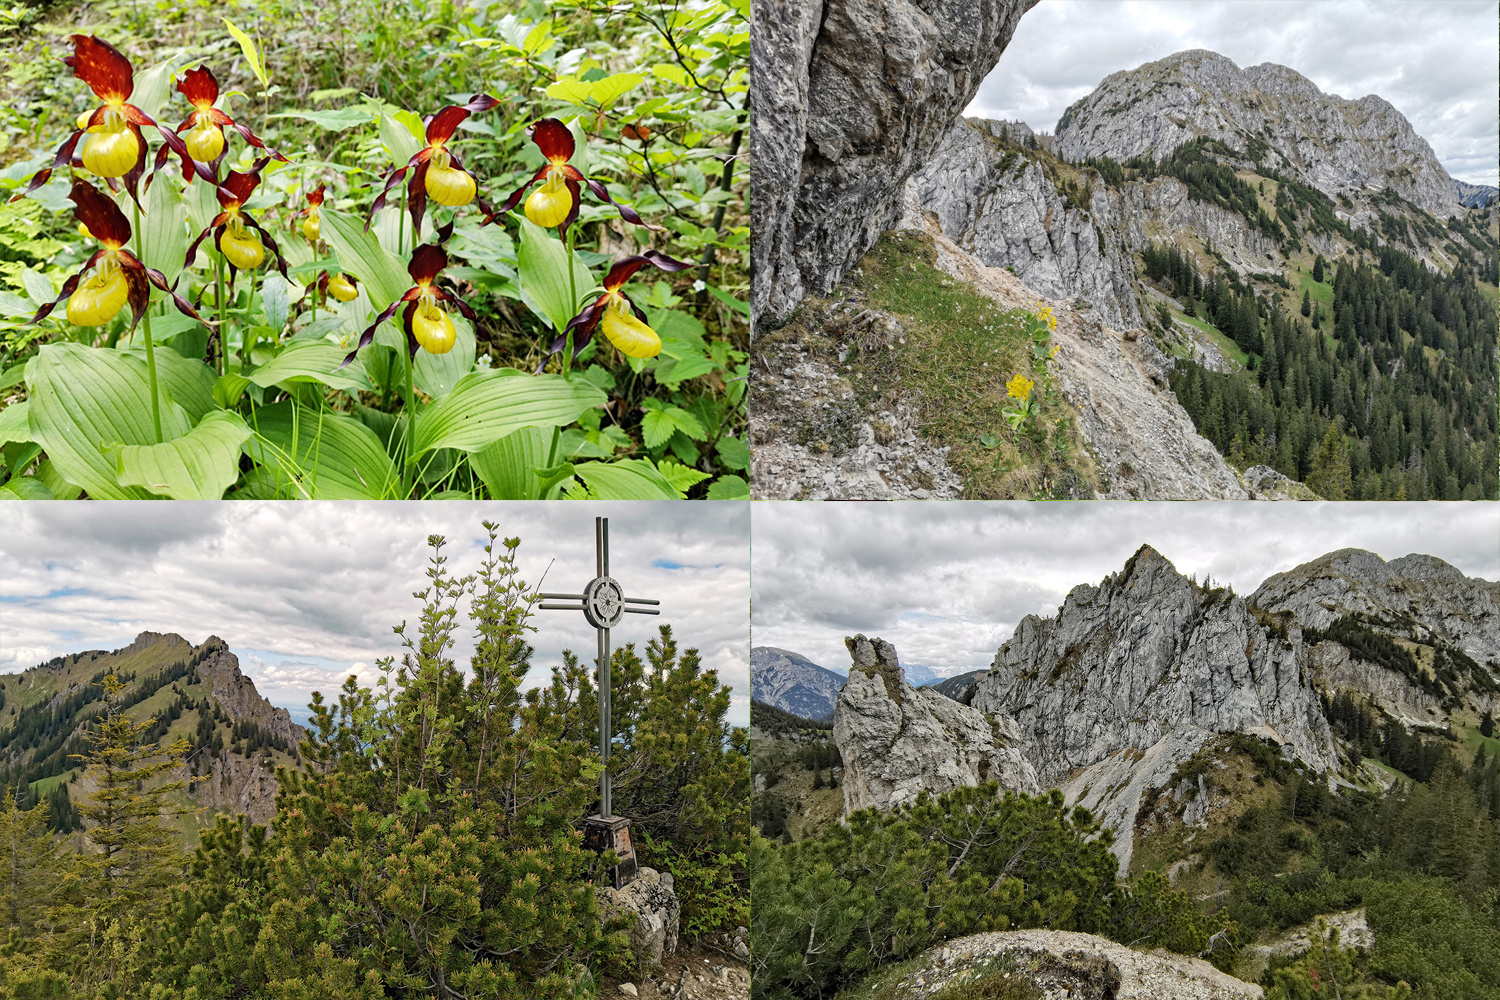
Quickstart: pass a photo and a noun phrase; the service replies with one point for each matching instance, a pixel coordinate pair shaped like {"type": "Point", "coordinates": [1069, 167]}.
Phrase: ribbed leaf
{"type": "Point", "coordinates": [311, 362]}
{"type": "Point", "coordinates": [25, 488]}
{"type": "Point", "coordinates": [83, 400]}
{"type": "Point", "coordinates": [200, 465]}
{"type": "Point", "coordinates": [320, 456]}
{"type": "Point", "coordinates": [486, 406]}
{"type": "Point", "coordinates": [543, 266]}
{"type": "Point", "coordinates": [508, 467]}
{"type": "Point", "coordinates": [14, 424]}
{"type": "Point", "coordinates": [163, 230]}
{"type": "Point", "coordinates": [631, 479]}
{"type": "Point", "coordinates": [383, 274]}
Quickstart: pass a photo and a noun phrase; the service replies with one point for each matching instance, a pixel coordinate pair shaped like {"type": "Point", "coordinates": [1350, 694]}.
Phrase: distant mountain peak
{"type": "Point", "coordinates": [793, 683]}
{"type": "Point", "coordinates": [1270, 114]}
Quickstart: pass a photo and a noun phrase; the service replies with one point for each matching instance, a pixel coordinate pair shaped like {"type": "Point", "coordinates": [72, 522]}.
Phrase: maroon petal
{"type": "Point", "coordinates": [62, 159]}
{"type": "Point", "coordinates": [553, 139]}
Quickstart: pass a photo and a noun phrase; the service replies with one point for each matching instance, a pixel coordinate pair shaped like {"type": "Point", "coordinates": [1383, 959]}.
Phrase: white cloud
{"type": "Point", "coordinates": [1435, 61]}
{"type": "Point", "coordinates": [315, 588]}
{"type": "Point", "coordinates": [947, 583]}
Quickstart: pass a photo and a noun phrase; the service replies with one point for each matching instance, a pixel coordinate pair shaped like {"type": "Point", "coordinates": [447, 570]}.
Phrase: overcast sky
{"type": "Point", "coordinates": [307, 592]}
{"type": "Point", "coordinates": [1435, 60]}
{"type": "Point", "coordinates": [946, 583]}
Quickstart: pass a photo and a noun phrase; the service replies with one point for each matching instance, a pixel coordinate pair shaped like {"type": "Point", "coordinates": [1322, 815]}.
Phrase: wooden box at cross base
{"type": "Point", "coordinates": [612, 834]}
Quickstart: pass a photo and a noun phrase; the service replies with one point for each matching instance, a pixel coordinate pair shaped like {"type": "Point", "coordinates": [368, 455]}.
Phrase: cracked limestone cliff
{"type": "Point", "coordinates": [1132, 677]}
{"type": "Point", "coordinates": [848, 98]}
{"type": "Point", "coordinates": [897, 741]}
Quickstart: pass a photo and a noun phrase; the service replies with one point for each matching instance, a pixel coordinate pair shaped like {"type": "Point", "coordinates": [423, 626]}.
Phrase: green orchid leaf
{"type": "Point", "coordinates": [319, 455]}
{"type": "Point", "coordinates": [543, 263]}
{"type": "Point", "coordinates": [84, 400]}
{"type": "Point", "coordinates": [310, 361]}
{"type": "Point", "coordinates": [200, 465]}
{"type": "Point", "coordinates": [14, 423]}
{"type": "Point", "coordinates": [486, 406]}
{"type": "Point", "coordinates": [25, 488]}
{"type": "Point", "coordinates": [334, 120]}
{"type": "Point", "coordinates": [631, 479]}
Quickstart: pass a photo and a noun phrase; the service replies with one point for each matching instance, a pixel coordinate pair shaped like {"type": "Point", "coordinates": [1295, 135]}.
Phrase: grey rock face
{"type": "Point", "coordinates": [653, 909]}
{"type": "Point", "coordinates": [1143, 654]}
{"type": "Point", "coordinates": [1459, 610]}
{"type": "Point", "coordinates": [1336, 145]}
{"type": "Point", "coordinates": [860, 95]}
{"type": "Point", "coordinates": [221, 669]}
{"type": "Point", "coordinates": [1005, 212]}
{"type": "Point", "coordinates": [792, 682]}
{"type": "Point", "coordinates": [897, 740]}
{"type": "Point", "coordinates": [1066, 964]}
{"type": "Point", "coordinates": [1142, 438]}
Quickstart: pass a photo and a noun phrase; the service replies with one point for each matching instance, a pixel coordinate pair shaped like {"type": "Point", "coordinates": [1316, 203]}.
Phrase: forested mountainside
{"type": "Point", "coordinates": [1329, 300]}
{"type": "Point", "coordinates": [1223, 776]}
{"type": "Point", "coordinates": [196, 693]}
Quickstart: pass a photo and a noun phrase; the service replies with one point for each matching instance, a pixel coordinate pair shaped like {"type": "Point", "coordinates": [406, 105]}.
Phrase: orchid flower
{"type": "Point", "coordinates": [231, 227]}
{"type": "Point", "coordinates": [555, 203]}
{"type": "Point", "coordinates": [205, 126]}
{"type": "Point", "coordinates": [437, 170]}
{"type": "Point", "coordinates": [113, 146]}
{"type": "Point", "coordinates": [622, 320]}
{"type": "Point", "coordinates": [424, 319]}
{"type": "Point", "coordinates": [114, 275]}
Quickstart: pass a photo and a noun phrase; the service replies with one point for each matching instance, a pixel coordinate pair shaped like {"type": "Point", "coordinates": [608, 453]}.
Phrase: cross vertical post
{"type": "Point", "coordinates": [604, 604]}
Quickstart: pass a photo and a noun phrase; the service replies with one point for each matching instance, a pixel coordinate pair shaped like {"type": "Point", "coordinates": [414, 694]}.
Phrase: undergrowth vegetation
{"type": "Point", "coordinates": [316, 345]}
{"type": "Point", "coordinates": [956, 365]}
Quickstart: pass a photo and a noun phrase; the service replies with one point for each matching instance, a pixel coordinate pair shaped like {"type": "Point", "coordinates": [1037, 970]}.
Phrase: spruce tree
{"type": "Point", "coordinates": [137, 855]}
{"type": "Point", "coordinates": [1307, 303]}
{"type": "Point", "coordinates": [34, 867]}
{"type": "Point", "coordinates": [1330, 477]}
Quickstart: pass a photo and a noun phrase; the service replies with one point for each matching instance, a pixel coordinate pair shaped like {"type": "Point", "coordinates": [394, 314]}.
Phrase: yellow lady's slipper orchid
{"type": "Point", "coordinates": [232, 228]}
{"type": "Point", "coordinates": [436, 170]}
{"type": "Point", "coordinates": [426, 322]}
{"type": "Point", "coordinates": [204, 128]}
{"type": "Point", "coordinates": [240, 248]}
{"type": "Point", "coordinates": [621, 319]}
{"type": "Point", "coordinates": [112, 277]}
{"type": "Point", "coordinates": [342, 288]}
{"type": "Point", "coordinates": [556, 202]}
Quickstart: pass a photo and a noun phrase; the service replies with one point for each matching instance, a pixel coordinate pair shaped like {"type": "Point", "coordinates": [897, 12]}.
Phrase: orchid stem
{"type": "Point", "coordinates": [247, 341]}
{"type": "Point", "coordinates": [572, 300]}
{"type": "Point", "coordinates": [401, 226]}
{"type": "Point", "coordinates": [411, 417]}
{"type": "Point", "coordinates": [140, 248]}
{"type": "Point", "coordinates": [219, 301]}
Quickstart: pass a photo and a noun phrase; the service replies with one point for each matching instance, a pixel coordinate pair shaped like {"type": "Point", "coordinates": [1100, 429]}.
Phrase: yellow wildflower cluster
{"type": "Point", "coordinates": [1044, 314]}
{"type": "Point", "coordinates": [1019, 387]}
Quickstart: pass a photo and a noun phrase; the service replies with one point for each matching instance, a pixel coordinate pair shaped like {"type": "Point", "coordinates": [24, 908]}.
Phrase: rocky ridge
{"type": "Point", "coordinates": [897, 741]}
{"type": "Point", "coordinates": [1142, 439]}
{"type": "Point", "coordinates": [1065, 965]}
{"type": "Point", "coordinates": [792, 682]}
{"type": "Point", "coordinates": [1436, 597]}
{"type": "Point", "coordinates": [863, 94]}
{"type": "Point", "coordinates": [1339, 146]}
{"type": "Point", "coordinates": [1148, 651]}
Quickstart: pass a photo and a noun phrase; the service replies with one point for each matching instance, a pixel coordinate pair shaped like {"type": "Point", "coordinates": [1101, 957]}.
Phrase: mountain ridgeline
{"type": "Point", "coordinates": [195, 693]}
{"type": "Point", "coordinates": [1325, 290]}
{"type": "Point", "coordinates": [793, 683]}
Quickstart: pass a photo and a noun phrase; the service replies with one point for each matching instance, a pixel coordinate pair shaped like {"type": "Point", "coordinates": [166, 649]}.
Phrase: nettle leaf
{"type": "Point", "coordinates": [200, 465]}
{"type": "Point", "coordinates": [728, 488]}
{"type": "Point", "coordinates": [82, 401]}
{"type": "Point", "coordinates": [733, 452]}
{"type": "Point", "coordinates": [657, 428]}
{"type": "Point", "coordinates": [486, 406]}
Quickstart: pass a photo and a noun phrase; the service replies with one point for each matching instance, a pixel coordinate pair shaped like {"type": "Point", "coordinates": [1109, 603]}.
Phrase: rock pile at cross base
{"type": "Point", "coordinates": [1064, 965]}
{"type": "Point", "coordinates": [862, 93]}
{"type": "Point", "coordinates": [897, 741]}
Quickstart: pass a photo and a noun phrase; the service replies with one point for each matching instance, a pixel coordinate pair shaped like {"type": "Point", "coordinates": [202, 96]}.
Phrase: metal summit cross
{"type": "Point", "coordinates": [604, 604]}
